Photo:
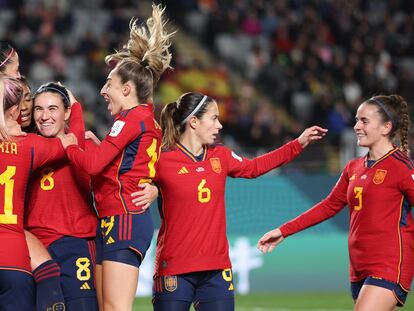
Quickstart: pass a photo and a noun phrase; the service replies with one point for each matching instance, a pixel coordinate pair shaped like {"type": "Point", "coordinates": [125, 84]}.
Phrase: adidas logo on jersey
{"type": "Point", "coordinates": [110, 240]}
{"type": "Point", "coordinates": [183, 170]}
{"type": "Point", "coordinates": [85, 286]}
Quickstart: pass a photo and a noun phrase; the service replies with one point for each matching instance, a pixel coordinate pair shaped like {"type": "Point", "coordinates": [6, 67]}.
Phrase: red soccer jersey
{"type": "Point", "coordinates": [381, 236]}
{"type": "Point", "coordinates": [192, 236]}
{"type": "Point", "coordinates": [126, 157]}
{"type": "Point", "coordinates": [17, 161]}
{"type": "Point", "coordinates": [59, 198]}
{"type": "Point", "coordinates": [60, 203]}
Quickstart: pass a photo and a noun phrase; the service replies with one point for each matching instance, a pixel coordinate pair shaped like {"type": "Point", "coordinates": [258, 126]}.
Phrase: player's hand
{"type": "Point", "coordinates": [68, 139]}
{"type": "Point", "coordinates": [72, 98]}
{"type": "Point", "coordinates": [270, 240]}
{"type": "Point", "coordinates": [90, 135]}
{"type": "Point", "coordinates": [146, 196]}
{"type": "Point", "coordinates": [311, 134]}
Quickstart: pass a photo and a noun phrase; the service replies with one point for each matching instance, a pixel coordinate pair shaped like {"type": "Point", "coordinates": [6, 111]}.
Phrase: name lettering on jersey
{"type": "Point", "coordinates": [8, 147]}
{"type": "Point", "coordinates": [215, 165]}
{"type": "Point", "coordinates": [364, 176]}
{"type": "Point", "coordinates": [116, 128]}
{"type": "Point", "coordinates": [379, 176]}
{"type": "Point", "coordinates": [352, 177]}
{"type": "Point", "coordinates": [238, 158]}
{"type": "Point", "coordinates": [183, 170]}
{"type": "Point", "coordinates": [170, 283]}
{"type": "Point", "coordinates": [200, 169]}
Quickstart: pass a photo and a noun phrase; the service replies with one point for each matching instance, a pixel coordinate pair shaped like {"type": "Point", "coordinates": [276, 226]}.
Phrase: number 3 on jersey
{"type": "Point", "coordinates": [204, 193]}
{"type": "Point", "coordinates": [358, 196]}
{"type": "Point", "coordinates": [6, 180]}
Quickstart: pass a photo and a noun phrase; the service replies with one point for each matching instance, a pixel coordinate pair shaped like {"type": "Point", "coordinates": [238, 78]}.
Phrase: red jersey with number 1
{"type": "Point", "coordinates": [18, 159]}
{"type": "Point", "coordinates": [381, 235]}
{"type": "Point", "coordinates": [126, 157]}
{"type": "Point", "coordinates": [192, 236]}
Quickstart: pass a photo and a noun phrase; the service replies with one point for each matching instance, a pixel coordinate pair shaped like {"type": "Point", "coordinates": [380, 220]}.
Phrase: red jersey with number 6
{"type": "Point", "coordinates": [379, 195]}
{"type": "Point", "coordinates": [192, 236]}
{"type": "Point", "coordinates": [18, 159]}
{"type": "Point", "coordinates": [125, 158]}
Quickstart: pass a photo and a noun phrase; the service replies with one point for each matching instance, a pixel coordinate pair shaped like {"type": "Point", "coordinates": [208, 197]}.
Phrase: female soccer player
{"type": "Point", "coordinates": [26, 107]}
{"type": "Point", "coordinates": [47, 287]}
{"type": "Point", "coordinates": [9, 60]}
{"type": "Point", "coordinates": [19, 156]}
{"type": "Point", "coordinates": [379, 190]}
{"type": "Point", "coordinates": [124, 159]}
{"type": "Point", "coordinates": [60, 211]}
{"type": "Point", "coordinates": [192, 260]}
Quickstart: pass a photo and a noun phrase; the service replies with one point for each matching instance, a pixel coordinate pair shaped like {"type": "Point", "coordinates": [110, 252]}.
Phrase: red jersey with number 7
{"type": "Point", "coordinates": [192, 236]}
{"type": "Point", "coordinates": [18, 159]}
{"type": "Point", "coordinates": [379, 195]}
{"type": "Point", "coordinates": [125, 158]}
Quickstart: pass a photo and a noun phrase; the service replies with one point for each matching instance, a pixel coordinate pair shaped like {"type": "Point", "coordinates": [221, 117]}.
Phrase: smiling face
{"type": "Point", "coordinates": [26, 106]}
{"type": "Point", "coordinates": [208, 127]}
{"type": "Point", "coordinates": [50, 114]}
{"type": "Point", "coordinates": [369, 127]}
{"type": "Point", "coordinates": [112, 92]}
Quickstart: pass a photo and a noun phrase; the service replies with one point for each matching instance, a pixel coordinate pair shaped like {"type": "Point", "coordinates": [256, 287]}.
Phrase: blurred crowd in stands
{"type": "Point", "coordinates": [314, 60]}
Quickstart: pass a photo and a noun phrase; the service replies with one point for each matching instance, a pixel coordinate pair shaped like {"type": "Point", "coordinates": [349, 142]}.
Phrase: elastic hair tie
{"type": "Point", "coordinates": [197, 108]}
{"type": "Point", "coordinates": [7, 57]}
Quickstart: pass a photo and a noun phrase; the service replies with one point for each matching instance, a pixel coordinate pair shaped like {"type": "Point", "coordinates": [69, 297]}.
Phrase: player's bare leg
{"type": "Point", "coordinates": [38, 253]}
{"type": "Point", "coordinates": [375, 298]}
{"type": "Point", "coordinates": [98, 284]}
{"type": "Point", "coordinates": [119, 283]}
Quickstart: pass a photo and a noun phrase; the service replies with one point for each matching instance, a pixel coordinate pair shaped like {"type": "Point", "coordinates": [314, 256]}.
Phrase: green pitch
{"type": "Point", "coordinates": [286, 302]}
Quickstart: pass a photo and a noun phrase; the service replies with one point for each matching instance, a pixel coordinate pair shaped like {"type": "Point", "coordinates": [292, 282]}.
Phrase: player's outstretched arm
{"type": "Point", "coordinates": [311, 134]}
{"type": "Point", "coordinates": [270, 240]}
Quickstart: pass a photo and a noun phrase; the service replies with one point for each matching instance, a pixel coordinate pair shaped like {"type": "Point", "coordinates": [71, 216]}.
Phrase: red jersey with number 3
{"type": "Point", "coordinates": [126, 157]}
{"type": "Point", "coordinates": [18, 159]}
{"type": "Point", "coordinates": [381, 235]}
{"type": "Point", "coordinates": [192, 236]}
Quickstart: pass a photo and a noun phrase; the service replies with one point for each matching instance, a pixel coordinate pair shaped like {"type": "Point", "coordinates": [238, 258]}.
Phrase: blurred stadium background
{"type": "Point", "coordinates": [275, 67]}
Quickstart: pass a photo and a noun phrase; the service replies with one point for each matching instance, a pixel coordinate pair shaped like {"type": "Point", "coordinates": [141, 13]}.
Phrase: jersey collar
{"type": "Point", "coordinates": [203, 156]}
{"type": "Point", "coordinates": [380, 159]}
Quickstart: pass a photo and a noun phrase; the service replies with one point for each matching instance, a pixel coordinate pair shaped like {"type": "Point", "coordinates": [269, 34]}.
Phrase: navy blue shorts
{"type": "Point", "coordinates": [76, 259]}
{"type": "Point", "coordinates": [17, 291]}
{"type": "Point", "coordinates": [399, 293]}
{"type": "Point", "coordinates": [197, 287]}
{"type": "Point", "coordinates": [124, 238]}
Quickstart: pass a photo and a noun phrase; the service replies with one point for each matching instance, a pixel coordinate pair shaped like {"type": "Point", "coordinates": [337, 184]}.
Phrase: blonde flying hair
{"type": "Point", "coordinates": [145, 56]}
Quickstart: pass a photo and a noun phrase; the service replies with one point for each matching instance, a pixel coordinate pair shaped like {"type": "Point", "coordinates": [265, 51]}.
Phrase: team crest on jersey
{"type": "Point", "coordinates": [379, 176]}
{"type": "Point", "coordinates": [116, 128]}
{"type": "Point", "coordinates": [170, 283]}
{"type": "Point", "coordinates": [216, 165]}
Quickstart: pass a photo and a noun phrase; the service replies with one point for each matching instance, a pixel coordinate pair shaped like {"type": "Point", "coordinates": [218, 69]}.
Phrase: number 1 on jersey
{"type": "Point", "coordinates": [152, 153]}
{"type": "Point", "coordinates": [6, 179]}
